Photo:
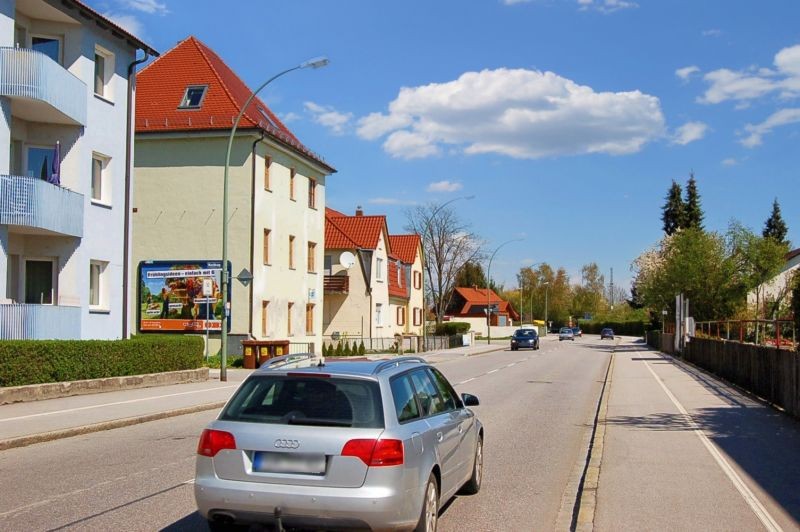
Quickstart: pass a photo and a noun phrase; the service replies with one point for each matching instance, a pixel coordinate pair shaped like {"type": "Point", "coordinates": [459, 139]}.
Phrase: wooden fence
{"type": "Point", "coordinates": [772, 374]}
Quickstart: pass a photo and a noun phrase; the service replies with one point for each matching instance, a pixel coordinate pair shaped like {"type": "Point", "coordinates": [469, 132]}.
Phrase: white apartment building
{"type": "Point", "coordinates": [65, 93]}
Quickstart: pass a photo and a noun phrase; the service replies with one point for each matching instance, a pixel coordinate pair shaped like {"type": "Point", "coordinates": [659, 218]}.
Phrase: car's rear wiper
{"type": "Point", "coordinates": [318, 422]}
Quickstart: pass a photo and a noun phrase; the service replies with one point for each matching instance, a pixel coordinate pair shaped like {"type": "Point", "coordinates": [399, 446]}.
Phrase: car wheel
{"type": "Point", "coordinates": [473, 485]}
{"type": "Point", "coordinates": [430, 507]}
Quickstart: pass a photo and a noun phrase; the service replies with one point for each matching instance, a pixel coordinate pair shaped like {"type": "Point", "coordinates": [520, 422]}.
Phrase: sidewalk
{"type": "Point", "coordinates": [683, 451]}
{"type": "Point", "coordinates": [38, 421]}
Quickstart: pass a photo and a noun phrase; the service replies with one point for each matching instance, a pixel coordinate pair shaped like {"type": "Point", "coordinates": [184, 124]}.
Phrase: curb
{"type": "Point", "coordinates": [23, 441]}
{"type": "Point", "coordinates": [56, 390]}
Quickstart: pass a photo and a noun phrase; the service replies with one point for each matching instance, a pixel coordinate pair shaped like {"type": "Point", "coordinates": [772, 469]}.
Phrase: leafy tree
{"type": "Point", "coordinates": [775, 227]}
{"type": "Point", "coordinates": [693, 213]}
{"type": "Point", "coordinates": [471, 274]}
{"type": "Point", "coordinates": [673, 210]}
{"type": "Point", "coordinates": [796, 301]}
{"type": "Point", "coordinates": [589, 296]}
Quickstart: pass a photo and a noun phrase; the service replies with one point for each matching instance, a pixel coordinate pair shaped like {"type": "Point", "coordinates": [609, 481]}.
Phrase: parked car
{"type": "Point", "coordinates": [566, 334]}
{"type": "Point", "coordinates": [345, 444]}
{"type": "Point", "coordinates": [525, 338]}
{"type": "Point", "coordinates": [576, 331]}
{"type": "Point", "coordinates": [607, 333]}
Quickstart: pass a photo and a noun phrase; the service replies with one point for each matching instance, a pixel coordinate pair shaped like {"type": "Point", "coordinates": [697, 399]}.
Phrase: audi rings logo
{"type": "Point", "coordinates": [287, 444]}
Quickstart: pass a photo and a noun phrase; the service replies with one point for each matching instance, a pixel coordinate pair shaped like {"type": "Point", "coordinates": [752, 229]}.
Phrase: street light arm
{"type": "Point", "coordinates": [488, 280]}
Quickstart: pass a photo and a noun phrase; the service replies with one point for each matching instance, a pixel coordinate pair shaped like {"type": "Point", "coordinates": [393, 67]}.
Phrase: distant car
{"type": "Point", "coordinates": [525, 338]}
{"type": "Point", "coordinates": [607, 333]}
{"type": "Point", "coordinates": [566, 334]}
{"type": "Point", "coordinates": [576, 331]}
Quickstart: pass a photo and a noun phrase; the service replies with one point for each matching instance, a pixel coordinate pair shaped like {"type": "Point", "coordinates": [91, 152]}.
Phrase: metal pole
{"type": "Point", "coordinates": [488, 279]}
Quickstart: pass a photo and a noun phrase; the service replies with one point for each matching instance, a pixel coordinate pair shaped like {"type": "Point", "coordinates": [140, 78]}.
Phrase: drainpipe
{"type": "Point", "coordinates": [126, 239]}
{"type": "Point", "coordinates": [253, 227]}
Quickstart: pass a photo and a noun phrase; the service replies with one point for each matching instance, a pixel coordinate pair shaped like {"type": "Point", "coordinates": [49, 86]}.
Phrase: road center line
{"type": "Point", "coordinates": [748, 496]}
{"type": "Point", "coordinates": [466, 381]}
{"type": "Point", "coordinates": [114, 404]}
{"type": "Point", "coordinates": [492, 371]}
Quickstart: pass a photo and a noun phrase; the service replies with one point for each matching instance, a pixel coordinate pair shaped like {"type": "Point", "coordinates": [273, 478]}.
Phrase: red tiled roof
{"type": "Point", "coordinates": [333, 213]}
{"type": "Point", "coordinates": [792, 254]}
{"type": "Point", "coordinates": [363, 231]}
{"type": "Point", "coordinates": [336, 238]}
{"type": "Point", "coordinates": [405, 247]}
{"type": "Point", "coordinates": [395, 288]}
{"type": "Point", "coordinates": [161, 86]}
{"type": "Point", "coordinates": [479, 298]}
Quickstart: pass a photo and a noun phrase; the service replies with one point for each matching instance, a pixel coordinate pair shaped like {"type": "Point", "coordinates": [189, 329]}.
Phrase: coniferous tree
{"type": "Point", "coordinates": [693, 213]}
{"type": "Point", "coordinates": [673, 210]}
{"type": "Point", "coordinates": [775, 227]}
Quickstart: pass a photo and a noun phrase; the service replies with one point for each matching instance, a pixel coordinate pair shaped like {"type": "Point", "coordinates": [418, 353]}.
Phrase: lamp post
{"type": "Point", "coordinates": [424, 259]}
{"type": "Point", "coordinates": [520, 294]}
{"type": "Point", "coordinates": [488, 278]}
{"type": "Point", "coordinates": [311, 63]}
{"type": "Point", "coordinates": [546, 323]}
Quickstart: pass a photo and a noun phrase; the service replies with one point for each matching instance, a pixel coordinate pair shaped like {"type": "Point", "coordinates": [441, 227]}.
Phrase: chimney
{"type": "Point", "coordinates": [359, 212]}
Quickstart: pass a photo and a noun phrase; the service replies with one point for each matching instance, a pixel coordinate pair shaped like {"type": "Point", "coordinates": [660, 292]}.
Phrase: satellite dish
{"type": "Point", "coordinates": [346, 260]}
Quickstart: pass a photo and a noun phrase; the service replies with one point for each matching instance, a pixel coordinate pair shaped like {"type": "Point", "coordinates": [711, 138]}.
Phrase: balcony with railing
{"type": "Point", "coordinates": [41, 90]}
{"type": "Point", "coordinates": [33, 203]}
{"type": "Point", "coordinates": [336, 284]}
{"type": "Point", "coordinates": [39, 322]}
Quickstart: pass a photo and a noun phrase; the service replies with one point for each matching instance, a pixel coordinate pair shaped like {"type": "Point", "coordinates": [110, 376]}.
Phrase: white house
{"type": "Point", "coordinates": [66, 97]}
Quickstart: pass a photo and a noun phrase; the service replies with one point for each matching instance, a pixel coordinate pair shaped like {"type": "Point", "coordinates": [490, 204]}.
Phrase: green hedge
{"type": "Point", "coordinates": [624, 328]}
{"type": "Point", "coordinates": [40, 361]}
{"type": "Point", "coordinates": [451, 327]}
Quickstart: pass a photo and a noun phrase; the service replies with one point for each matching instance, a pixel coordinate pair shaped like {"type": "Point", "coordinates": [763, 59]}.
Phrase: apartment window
{"type": "Point", "coordinates": [401, 315]}
{"type": "Point", "coordinates": [328, 266]}
{"type": "Point", "coordinates": [292, 173]}
{"type": "Point", "coordinates": [193, 97]}
{"type": "Point", "coordinates": [378, 314]}
{"type": "Point", "coordinates": [267, 165]}
{"type": "Point", "coordinates": [291, 251]}
{"type": "Point", "coordinates": [49, 46]}
{"type": "Point", "coordinates": [39, 162]}
{"type": "Point", "coordinates": [99, 179]}
{"type": "Point", "coordinates": [96, 281]}
{"type": "Point", "coordinates": [103, 69]}
{"type": "Point", "coordinates": [289, 318]}
{"type": "Point", "coordinates": [379, 269]}
{"type": "Point", "coordinates": [264, 319]}
{"type": "Point", "coordinates": [417, 280]}
{"type": "Point", "coordinates": [312, 248]}
{"type": "Point", "coordinates": [417, 316]}
{"type": "Point", "coordinates": [312, 193]}
{"type": "Point", "coordinates": [310, 318]}
{"type": "Point", "coordinates": [265, 251]}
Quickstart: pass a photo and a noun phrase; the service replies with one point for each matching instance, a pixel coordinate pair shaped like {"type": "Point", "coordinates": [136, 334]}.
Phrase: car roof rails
{"type": "Point", "coordinates": [277, 362]}
{"type": "Point", "coordinates": [396, 362]}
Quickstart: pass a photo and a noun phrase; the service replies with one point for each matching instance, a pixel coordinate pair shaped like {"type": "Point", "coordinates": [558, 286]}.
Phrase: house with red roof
{"type": "Point", "coordinates": [471, 304]}
{"type": "Point", "coordinates": [66, 96]}
{"type": "Point", "coordinates": [373, 281]}
{"type": "Point", "coordinates": [187, 102]}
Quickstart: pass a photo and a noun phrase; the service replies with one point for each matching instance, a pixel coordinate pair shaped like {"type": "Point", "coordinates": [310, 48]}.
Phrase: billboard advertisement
{"type": "Point", "coordinates": [181, 296]}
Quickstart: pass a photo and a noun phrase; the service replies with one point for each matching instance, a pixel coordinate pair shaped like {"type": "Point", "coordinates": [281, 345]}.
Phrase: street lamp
{"type": "Point", "coordinates": [546, 323]}
{"type": "Point", "coordinates": [424, 265]}
{"type": "Point", "coordinates": [318, 62]}
{"type": "Point", "coordinates": [488, 277]}
{"type": "Point", "coordinates": [520, 293]}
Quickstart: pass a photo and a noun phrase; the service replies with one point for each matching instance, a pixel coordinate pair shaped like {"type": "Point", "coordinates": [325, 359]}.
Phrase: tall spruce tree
{"type": "Point", "coordinates": [775, 227]}
{"type": "Point", "coordinates": [693, 213]}
{"type": "Point", "coordinates": [672, 213]}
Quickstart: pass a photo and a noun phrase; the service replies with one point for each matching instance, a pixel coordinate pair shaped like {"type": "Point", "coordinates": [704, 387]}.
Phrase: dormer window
{"type": "Point", "coordinates": [193, 98]}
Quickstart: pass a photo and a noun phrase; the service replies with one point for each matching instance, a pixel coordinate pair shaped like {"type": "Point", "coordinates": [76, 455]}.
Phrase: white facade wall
{"type": "Point", "coordinates": [779, 286]}
{"type": "Point", "coordinates": [348, 314]}
{"type": "Point", "coordinates": [382, 328]}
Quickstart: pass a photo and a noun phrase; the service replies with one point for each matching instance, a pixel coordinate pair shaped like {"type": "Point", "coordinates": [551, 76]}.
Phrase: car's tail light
{"type": "Point", "coordinates": [375, 453]}
{"type": "Point", "coordinates": [213, 441]}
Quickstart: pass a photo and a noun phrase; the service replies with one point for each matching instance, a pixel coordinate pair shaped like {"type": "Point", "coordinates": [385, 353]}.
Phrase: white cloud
{"type": "Point", "coordinates": [712, 33]}
{"type": "Point", "coordinates": [689, 132]}
{"type": "Point", "coordinates": [757, 131]}
{"type": "Point", "coordinates": [730, 161]}
{"type": "Point", "coordinates": [606, 6]}
{"type": "Point", "coordinates": [329, 117]}
{"type": "Point", "coordinates": [151, 7]}
{"type": "Point", "coordinates": [290, 117]}
{"type": "Point", "coordinates": [391, 201]}
{"type": "Point", "coordinates": [686, 72]}
{"type": "Point", "coordinates": [524, 114]}
{"type": "Point", "coordinates": [444, 186]}
{"type": "Point", "coordinates": [129, 23]}
{"type": "Point", "coordinates": [741, 86]}
{"type": "Point", "coordinates": [512, 2]}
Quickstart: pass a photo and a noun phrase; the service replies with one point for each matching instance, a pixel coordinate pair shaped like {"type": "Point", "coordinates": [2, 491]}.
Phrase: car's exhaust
{"type": "Point", "coordinates": [223, 518]}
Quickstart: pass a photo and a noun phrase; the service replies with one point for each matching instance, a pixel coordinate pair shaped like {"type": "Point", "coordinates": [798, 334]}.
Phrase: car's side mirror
{"type": "Point", "coordinates": [469, 399]}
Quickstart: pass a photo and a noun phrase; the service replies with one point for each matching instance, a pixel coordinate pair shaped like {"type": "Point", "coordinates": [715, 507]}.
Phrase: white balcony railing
{"type": "Point", "coordinates": [33, 202]}
{"type": "Point", "coordinates": [39, 322]}
{"type": "Point", "coordinates": [26, 73]}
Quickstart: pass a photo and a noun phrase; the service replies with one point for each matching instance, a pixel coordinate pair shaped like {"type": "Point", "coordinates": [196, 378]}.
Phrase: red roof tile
{"type": "Point", "coordinates": [333, 213]}
{"type": "Point", "coordinates": [405, 247]}
{"type": "Point", "coordinates": [161, 86]}
{"type": "Point", "coordinates": [364, 231]}
{"type": "Point", "coordinates": [479, 298]}
{"type": "Point", "coordinates": [396, 289]}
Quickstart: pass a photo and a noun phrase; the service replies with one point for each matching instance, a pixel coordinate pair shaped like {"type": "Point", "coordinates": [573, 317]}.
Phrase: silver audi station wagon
{"type": "Point", "coordinates": [340, 444]}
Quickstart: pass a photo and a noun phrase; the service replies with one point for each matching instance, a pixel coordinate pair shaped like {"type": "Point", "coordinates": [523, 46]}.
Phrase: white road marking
{"type": "Point", "coordinates": [493, 371]}
{"type": "Point", "coordinates": [468, 380]}
{"type": "Point", "coordinates": [114, 404]}
{"type": "Point", "coordinates": [510, 365]}
{"type": "Point", "coordinates": [748, 496]}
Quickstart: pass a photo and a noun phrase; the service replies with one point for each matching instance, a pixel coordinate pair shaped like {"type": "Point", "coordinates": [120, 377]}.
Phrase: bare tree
{"type": "Point", "coordinates": [448, 244]}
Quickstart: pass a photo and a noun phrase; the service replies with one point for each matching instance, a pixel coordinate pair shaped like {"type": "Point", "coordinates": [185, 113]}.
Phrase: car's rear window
{"type": "Point", "coordinates": [525, 333]}
{"type": "Point", "coordinates": [297, 400]}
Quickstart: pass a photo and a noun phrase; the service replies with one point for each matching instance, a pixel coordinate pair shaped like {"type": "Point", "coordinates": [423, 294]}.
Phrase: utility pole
{"type": "Point", "coordinates": [612, 288]}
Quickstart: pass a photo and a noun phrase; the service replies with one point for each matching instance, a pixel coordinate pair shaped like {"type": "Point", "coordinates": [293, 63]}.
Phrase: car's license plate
{"type": "Point", "coordinates": [304, 463]}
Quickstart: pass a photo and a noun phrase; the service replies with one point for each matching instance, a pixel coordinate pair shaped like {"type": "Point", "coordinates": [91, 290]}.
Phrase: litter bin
{"type": "Point", "coordinates": [256, 352]}
{"type": "Point", "coordinates": [249, 354]}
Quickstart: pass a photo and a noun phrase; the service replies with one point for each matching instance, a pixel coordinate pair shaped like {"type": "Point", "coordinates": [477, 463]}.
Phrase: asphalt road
{"type": "Point", "coordinates": [536, 407]}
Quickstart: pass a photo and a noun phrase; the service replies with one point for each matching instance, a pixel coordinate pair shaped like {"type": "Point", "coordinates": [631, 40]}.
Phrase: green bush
{"type": "Point", "coordinates": [450, 328]}
{"type": "Point", "coordinates": [361, 349]}
{"type": "Point", "coordinates": [347, 351]}
{"type": "Point", "coordinates": [40, 361]}
{"type": "Point", "coordinates": [339, 350]}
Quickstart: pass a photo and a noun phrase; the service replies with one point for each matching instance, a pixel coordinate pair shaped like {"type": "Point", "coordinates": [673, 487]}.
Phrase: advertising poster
{"type": "Point", "coordinates": [181, 296]}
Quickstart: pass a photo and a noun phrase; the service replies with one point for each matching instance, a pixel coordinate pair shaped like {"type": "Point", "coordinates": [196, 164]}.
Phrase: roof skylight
{"type": "Point", "coordinates": [193, 97]}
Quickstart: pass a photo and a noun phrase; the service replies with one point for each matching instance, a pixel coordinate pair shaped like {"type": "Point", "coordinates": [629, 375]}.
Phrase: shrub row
{"type": "Point", "coordinates": [40, 361]}
{"type": "Point", "coordinates": [451, 327]}
{"type": "Point", "coordinates": [624, 328]}
{"type": "Point", "coordinates": [344, 349]}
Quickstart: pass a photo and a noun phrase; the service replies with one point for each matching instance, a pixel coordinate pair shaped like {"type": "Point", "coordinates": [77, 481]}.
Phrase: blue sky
{"type": "Point", "coordinates": [567, 119]}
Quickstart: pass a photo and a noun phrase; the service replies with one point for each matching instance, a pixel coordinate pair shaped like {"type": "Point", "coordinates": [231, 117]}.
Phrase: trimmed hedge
{"type": "Point", "coordinates": [623, 328]}
{"type": "Point", "coordinates": [40, 361]}
{"type": "Point", "coordinates": [451, 327]}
